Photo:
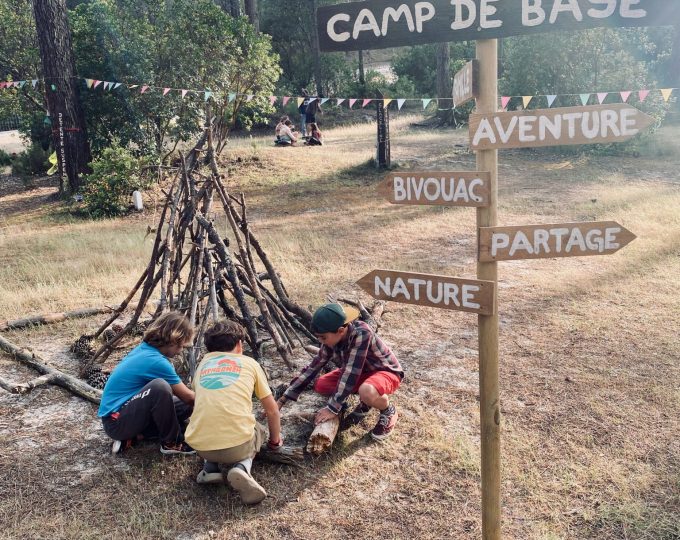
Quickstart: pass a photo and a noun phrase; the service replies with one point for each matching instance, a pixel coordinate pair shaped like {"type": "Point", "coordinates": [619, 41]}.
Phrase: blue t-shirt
{"type": "Point", "coordinates": [142, 365]}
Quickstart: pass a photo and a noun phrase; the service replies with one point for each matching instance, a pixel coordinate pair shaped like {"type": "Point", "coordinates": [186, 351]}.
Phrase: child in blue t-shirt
{"type": "Point", "coordinates": [144, 396]}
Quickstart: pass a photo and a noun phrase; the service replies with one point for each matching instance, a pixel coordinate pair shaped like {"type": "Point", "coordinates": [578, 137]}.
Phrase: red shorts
{"type": "Point", "coordinates": [385, 382]}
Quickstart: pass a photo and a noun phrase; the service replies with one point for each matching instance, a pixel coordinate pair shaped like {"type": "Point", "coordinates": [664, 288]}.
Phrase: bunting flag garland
{"type": "Point", "coordinates": [272, 100]}
{"type": "Point", "coordinates": [96, 83]}
{"type": "Point", "coordinates": [324, 100]}
{"type": "Point", "coordinates": [365, 102]}
{"type": "Point", "coordinates": [133, 86]}
{"type": "Point", "coordinates": [249, 97]}
{"type": "Point", "coordinates": [601, 96]}
{"type": "Point", "coordinates": [666, 93]}
{"type": "Point", "coordinates": [386, 102]}
{"type": "Point", "coordinates": [144, 89]}
{"type": "Point", "coordinates": [286, 99]}
{"type": "Point", "coordinates": [504, 102]}
{"type": "Point", "coordinates": [184, 93]}
{"type": "Point", "coordinates": [551, 100]}
{"type": "Point", "coordinates": [625, 95]}
{"type": "Point", "coordinates": [300, 100]}
{"type": "Point", "coordinates": [340, 100]}
{"type": "Point", "coordinates": [526, 100]}
{"type": "Point", "coordinates": [88, 83]}
{"type": "Point", "coordinates": [426, 102]}
{"type": "Point", "coordinates": [400, 103]}
{"type": "Point", "coordinates": [232, 97]}
{"type": "Point", "coordinates": [352, 102]}
{"type": "Point", "coordinates": [642, 94]}
{"type": "Point", "coordinates": [584, 99]}
{"type": "Point", "coordinates": [208, 95]}
{"type": "Point", "coordinates": [165, 91]}
{"type": "Point", "coordinates": [34, 82]}
{"type": "Point", "coordinates": [117, 85]}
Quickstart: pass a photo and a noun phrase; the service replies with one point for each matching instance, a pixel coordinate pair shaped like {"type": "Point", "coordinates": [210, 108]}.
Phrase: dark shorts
{"type": "Point", "coordinates": [311, 119]}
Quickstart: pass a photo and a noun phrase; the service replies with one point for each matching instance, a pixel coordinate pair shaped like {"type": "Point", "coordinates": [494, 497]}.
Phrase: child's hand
{"type": "Point", "coordinates": [324, 415]}
{"type": "Point", "coordinates": [274, 446]}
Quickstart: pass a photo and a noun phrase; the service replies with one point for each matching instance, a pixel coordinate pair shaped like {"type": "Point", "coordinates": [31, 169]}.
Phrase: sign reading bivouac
{"type": "Point", "coordinates": [548, 241]}
{"type": "Point", "coordinates": [554, 127]}
{"type": "Point", "coordinates": [377, 24]}
{"type": "Point", "coordinates": [466, 84]}
{"type": "Point", "coordinates": [469, 189]}
{"type": "Point", "coordinates": [457, 294]}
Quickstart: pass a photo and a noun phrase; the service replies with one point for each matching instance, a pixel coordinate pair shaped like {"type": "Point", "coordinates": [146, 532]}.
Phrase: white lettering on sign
{"type": "Point", "coordinates": [435, 189]}
{"type": "Point", "coordinates": [437, 293]}
{"type": "Point", "coordinates": [533, 13]}
{"type": "Point", "coordinates": [567, 241]}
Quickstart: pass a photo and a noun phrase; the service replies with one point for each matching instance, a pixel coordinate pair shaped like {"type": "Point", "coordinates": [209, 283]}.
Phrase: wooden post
{"type": "Point", "coordinates": [489, 400]}
{"type": "Point", "coordinates": [383, 160]}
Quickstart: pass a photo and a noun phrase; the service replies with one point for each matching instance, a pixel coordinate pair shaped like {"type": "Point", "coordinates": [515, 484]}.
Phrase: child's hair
{"type": "Point", "coordinates": [169, 329]}
{"type": "Point", "coordinates": [283, 119]}
{"type": "Point", "coordinates": [315, 127]}
{"type": "Point", "coordinates": [288, 122]}
{"type": "Point", "coordinates": [223, 336]}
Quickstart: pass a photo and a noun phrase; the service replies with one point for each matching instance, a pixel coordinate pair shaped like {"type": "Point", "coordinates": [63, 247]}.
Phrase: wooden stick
{"type": "Point", "coordinates": [50, 318]}
{"type": "Point", "coordinates": [323, 436]}
{"type": "Point", "coordinates": [70, 383]}
{"type": "Point", "coordinates": [288, 455]}
{"type": "Point", "coordinates": [123, 304]}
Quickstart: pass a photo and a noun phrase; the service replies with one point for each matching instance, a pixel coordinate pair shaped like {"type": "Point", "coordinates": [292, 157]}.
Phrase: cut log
{"type": "Point", "coordinates": [323, 436]}
{"type": "Point", "coordinates": [288, 455]}
{"type": "Point", "coordinates": [52, 318]}
{"type": "Point", "coordinates": [70, 383]}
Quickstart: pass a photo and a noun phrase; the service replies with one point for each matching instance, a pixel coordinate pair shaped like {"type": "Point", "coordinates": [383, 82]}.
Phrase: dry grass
{"type": "Point", "coordinates": [589, 358]}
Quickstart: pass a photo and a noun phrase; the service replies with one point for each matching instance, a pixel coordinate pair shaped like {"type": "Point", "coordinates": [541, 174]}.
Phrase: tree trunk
{"type": "Point", "coordinates": [362, 75]}
{"type": "Point", "coordinates": [315, 49]}
{"type": "Point", "coordinates": [69, 134]}
{"type": "Point", "coordinates": [251, 12]}
{"type": "Point", "coordinates": [444, 84]}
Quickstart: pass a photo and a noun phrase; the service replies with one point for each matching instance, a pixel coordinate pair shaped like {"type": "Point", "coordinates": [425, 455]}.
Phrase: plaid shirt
{"type": "Point", "coordinates": [361, 351]}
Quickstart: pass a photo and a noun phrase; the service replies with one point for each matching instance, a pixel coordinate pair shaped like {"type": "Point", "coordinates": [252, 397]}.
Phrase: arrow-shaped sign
{"type": "Point", "coordinates": [549, 241]}
{"type": "Point", "coordinates": [437, 188]}
{"type": "Point", "coordinates": [433, 291]}
{"type": "Point", "coordinates": [554, 127]}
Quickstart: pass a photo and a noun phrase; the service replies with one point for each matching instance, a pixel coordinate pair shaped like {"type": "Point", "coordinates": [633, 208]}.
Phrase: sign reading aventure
{"type": "Point", "coordinates": [377, 24]}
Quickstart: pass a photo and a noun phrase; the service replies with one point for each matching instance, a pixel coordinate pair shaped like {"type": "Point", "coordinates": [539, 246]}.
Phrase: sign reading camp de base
{"type": "Point", "coordinates": [377, 24]}
{"type": "Point", "coordinates": [457, 294]}
{"type": "Point", "coordinates": [470, 189]}
{"type": "Point", "coordinates": [548, 241]}
{"type": "Point", "coordinates": [554, 127]}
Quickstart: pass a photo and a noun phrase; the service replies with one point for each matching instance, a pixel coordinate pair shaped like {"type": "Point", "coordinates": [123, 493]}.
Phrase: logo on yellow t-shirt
{"type": "Point", "coordinates": [219, 372]}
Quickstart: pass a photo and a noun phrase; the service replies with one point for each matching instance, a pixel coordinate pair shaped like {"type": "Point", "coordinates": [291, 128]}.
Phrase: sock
{"type": "Point", "coordinates": [210, 467]}
{"type": "Point", "coordinates": [388, 410]}
{"type": "Point", "coordinates": [246, 464]}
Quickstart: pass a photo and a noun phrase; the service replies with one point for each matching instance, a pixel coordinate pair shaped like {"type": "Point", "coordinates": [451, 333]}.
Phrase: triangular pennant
{"type": "Point", "coordinates": [144, 89]}
{"type": "Point", "coordinates": [666, 93]}
{"type": "Point", "coordinates": [340, 100]}
{"type": "Point", "coordinates": [184, 93]}
{"type": "Point", "coordinates": [249, 97]}
{"type": "Point", "coordinates": [625, 95]}
{"type": "Point", "coordinates": [105, 86]}
{"type": "Point", "coordinates": [117, 85]}
{"type": "Point", "coordinates": [312, 99]}
{"type": "Point", "coordinates": [365, 102]}
{"type": "Point", "coordinates": [16, 84]}
{"type": "Point", "coordinates": [22, 83]}
{"type": "Point", "coordinates": [426, 102]}
{"type": "Point", "coordinates": [3, 84]}
{"type": "Point", "coordinates": [642, 94]}
{"type": "Point", "coordinates": [232, 96]}
{"type": "Point", "coordinates": [352, 102]}
{"type": "Point", "coordinates": [286, 99]}
{"type": "Point", "coordinates": [526, 100]}
{"type": "Point", "coordinates": [89, 82]}
{"type": "Point", "coordinates": [208, 95]}
{"type": "Point", "coordinates": [54, 87]}
{"type": "Point", "coordinates": [386, 102]}
{"type": "Point", "coordinates": [133, 86]}
{"type": "Point", "coordinates": [272, 100]}
{"type": "Point", "coordinates": [551, 100]}
{"type": "Point", "coordinates": [504, 101]}
{"type": "Point", "coordinates": [300, 100]}
{"type": "Point", "coordinates": [96, 83]}
{"type": "Point", "coordinates": [601, 96]}
{"type": "Point", "coordinates": [34, 82]}
{"type": "Point", "coordinates": [165, 91]}
{"type": "Point", "coordinates": [584, 99]}
{"type": "Point", "coordinates": [323, 100]}
{"type": "Point", "coordinates": [400, 103]}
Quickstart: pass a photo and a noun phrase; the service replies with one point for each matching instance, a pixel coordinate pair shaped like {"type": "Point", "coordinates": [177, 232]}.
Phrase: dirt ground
{"type": "Point", "coordinates": [589, 357]}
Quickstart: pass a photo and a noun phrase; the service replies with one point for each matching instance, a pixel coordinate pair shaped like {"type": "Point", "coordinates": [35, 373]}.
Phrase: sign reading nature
{"type": "Point", "coordinates": [377, 24]}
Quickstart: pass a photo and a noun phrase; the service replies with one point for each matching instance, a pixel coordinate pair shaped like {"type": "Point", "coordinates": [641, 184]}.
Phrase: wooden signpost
{"type": "Point", "coordinates": [437, 188]}
{"type": "Point", "coordinates": [554, 127]}
{"type": "Point", "coordinates": [432, 291]}
{"type": "Point", "coordinates": [549, 241]}
{"type": "Point", "coordinates": [383, 120]}
{"type": "Point", "coordinates": [466, 84]}
{"type": "Point", "coordinates": [378, 24]}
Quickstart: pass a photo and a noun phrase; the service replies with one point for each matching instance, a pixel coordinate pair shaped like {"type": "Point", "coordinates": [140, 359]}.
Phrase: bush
{"type": "Point", "coordinates": [5, 159]}
{"type": "Point", "coordinates": [32, 162]}
{"type": "Point", "coordinates": [115, 175]}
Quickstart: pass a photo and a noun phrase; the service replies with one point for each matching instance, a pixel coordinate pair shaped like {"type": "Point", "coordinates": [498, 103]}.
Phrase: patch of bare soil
{"type": "Point", "coordinates": [27, 202]}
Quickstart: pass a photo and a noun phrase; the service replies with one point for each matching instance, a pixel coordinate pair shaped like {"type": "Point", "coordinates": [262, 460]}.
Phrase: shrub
{"type": "Point", "coordinates": [5, 159]}
{"type": "Point", "coordinates": [116, 173]}
{"type": "Point", "coordinates": [30, 163]}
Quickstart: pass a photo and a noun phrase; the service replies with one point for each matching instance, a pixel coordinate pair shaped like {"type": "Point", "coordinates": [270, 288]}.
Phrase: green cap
{"type": "Point", "coordinates": [330, 317]}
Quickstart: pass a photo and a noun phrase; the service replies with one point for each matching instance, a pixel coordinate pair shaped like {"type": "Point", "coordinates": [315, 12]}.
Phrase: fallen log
{"type": "Point", "coordinates": [50, 318]}
{"type": "Point", "coordinates": [70, 383]}
{"type": "Point", "coordinates": [23, 388]}
{"type": "Point", "coordinates": [288, 455]}
{"type": "Point", "coordinates": [323, 436]}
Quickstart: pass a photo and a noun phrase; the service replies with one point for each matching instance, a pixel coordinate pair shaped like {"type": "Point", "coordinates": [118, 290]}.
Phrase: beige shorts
{"type": "Point", "coordinates": [229, 456]}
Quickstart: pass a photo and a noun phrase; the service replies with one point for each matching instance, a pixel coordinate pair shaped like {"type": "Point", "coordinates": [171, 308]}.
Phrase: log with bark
{"type": "Point", "coordinates": [323, 436]}
{"type": "Point", "coordinates": [50, 318]}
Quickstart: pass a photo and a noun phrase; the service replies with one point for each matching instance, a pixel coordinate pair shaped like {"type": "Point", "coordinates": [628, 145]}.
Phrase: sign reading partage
{"type": "Point", "coordinates": [442, 292]}
{"type": "Point", "coordinates": [437, 188]}
{"type": "Point", "coordinates": [549, 241]}
{"type": "Point", "coordinates": [378, 24]}
{"type": "Point", "coordinates": [466, 84]}
{"type": "Point", "coordinates": [554, 127]}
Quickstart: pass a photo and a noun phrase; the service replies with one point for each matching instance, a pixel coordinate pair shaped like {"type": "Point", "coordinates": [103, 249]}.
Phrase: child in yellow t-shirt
{"type": "Point", "coordinates": [223, 429]}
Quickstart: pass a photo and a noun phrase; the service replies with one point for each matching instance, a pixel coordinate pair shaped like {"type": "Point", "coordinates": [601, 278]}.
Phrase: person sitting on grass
{"type": "Point", "coordinates": [367, 367]}
{"type": "Point", "coordinates": [316, 138]}
{"type": "Point", "coordinates": [277, 130]}
{"type": "Point", "coordinates": [286, 135]}
{"type": "Point", "coordinates": [223, 429]}
{"type": "Point", "coordinates": [144, 397]}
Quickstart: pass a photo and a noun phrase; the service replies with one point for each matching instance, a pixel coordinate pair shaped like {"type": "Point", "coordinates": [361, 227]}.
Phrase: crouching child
{"type": "Point", "coordinates": [368, 368]}
{"type": "Point", "coordinates": [223, 429]}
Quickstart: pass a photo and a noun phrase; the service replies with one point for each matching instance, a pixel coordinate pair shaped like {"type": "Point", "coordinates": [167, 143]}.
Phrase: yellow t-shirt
{"type": "Point", "coordinates": [223, 410]}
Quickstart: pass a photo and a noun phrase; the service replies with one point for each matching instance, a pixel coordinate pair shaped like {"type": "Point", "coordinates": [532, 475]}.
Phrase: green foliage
{"type": "Point", "coordinates": [5, 159]}
{"type": "Point", "coordinates": [116, 173]}
{"type": "Point", "coordinates": [30, 163]}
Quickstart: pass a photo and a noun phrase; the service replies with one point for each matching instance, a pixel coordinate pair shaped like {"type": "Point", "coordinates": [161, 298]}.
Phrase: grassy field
{"type": "Point", "coordinates": [589, 355]}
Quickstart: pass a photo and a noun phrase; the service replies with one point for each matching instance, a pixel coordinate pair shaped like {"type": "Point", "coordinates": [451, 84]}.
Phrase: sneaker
{"type": "Point", "coordinates": [118, 447]}
{"type": "Point", "coordinates": [172, 449]}
{"type": "Point", "coordinates": [356, 416]}
{"type": "Point", "coordinates": [386, 423]}
{"type": "Point", "coordinates": [210, 477]}
{"type": "Point", "coordinates": [249, 490]}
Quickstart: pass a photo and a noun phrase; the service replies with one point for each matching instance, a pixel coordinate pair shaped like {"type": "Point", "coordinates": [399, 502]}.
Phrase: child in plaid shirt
{"type": "Point", "coordinates": [368, 367]}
